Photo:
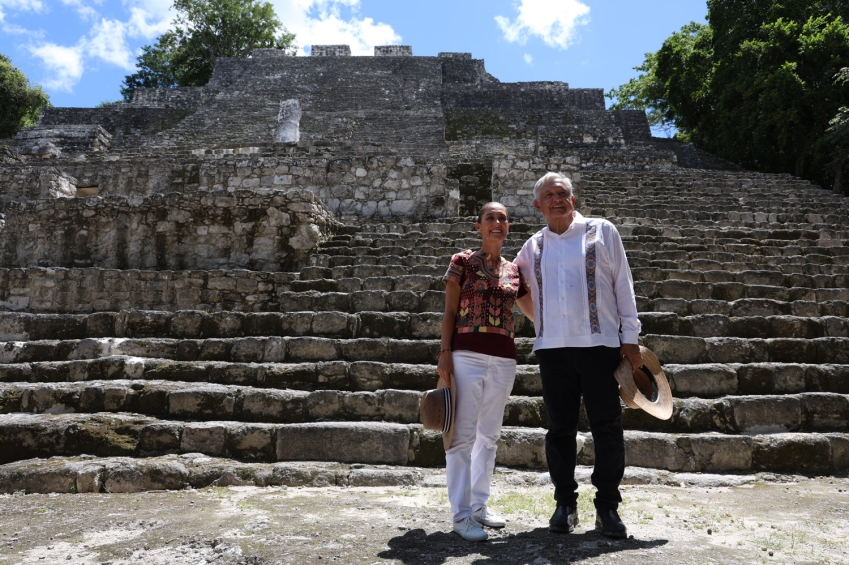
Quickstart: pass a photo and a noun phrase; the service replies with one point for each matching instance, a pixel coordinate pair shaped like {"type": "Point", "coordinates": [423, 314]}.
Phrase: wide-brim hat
{"type": "Point", "coordinates": [437, 410]}
{"type": "Point", "coordinates": [647, 387]}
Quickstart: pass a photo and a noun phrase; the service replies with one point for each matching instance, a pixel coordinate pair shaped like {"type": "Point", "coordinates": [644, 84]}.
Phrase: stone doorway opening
{"type": "Point", "coordinates": [475, 185]}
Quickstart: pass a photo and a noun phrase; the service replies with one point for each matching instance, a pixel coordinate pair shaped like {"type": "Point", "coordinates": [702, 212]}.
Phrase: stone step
{"type": "Point", "coordinates": [747, 319]}
{"type": "Point", "coordinates": [434, 301]}
{"type": "Point", "coordinates": [193, 324]}
{"type": "Point", "coordinates": [668, 348]}
{"type": "Point", "coordinates": [87, 474]}
{"type": "Point", "coordinates": [663, 250]}
{"type": "Point", "coordinates": [701, 261]}
{"type": "Point", "coordinates": [806, 412]}
{"type": "Point", "coordinates": [718, 325]}
{"type": "Point", "coordinates": [24, 436]}
{"type": "Point", "coordinates": [707, 380]}
{"type": "Point", "coordinates": [688, 350]}
{"type": "Point", "coordinates": [671, 239]}
{"type": "Point", "coordinates": [640, 273]}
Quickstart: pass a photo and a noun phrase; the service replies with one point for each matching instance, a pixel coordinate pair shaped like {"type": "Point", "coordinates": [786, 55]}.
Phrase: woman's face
{"type": "Point", "coordinates": [493, 224]}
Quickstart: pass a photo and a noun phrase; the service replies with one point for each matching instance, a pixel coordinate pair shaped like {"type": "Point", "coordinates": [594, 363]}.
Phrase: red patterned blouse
{"type": "Point", "coordinates": [487, 295]}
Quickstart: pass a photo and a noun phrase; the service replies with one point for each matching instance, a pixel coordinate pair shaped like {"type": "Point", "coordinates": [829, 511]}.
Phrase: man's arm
{"type": "Point", "coordinates": [626, 301]}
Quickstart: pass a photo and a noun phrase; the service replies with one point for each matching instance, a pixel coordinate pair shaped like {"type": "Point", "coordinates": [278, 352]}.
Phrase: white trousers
{"type": "Point", "coordinates": [484, 383]}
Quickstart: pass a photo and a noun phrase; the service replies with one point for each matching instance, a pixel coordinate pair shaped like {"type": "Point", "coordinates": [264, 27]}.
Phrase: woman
{"type": "Point", "coordinates": [477, 350]}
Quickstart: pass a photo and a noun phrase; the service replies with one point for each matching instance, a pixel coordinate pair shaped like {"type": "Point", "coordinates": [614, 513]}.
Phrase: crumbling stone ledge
{"type": "Point", "coordinates": [194, 470]}
{"type": "Point", "coordinates": [103, 290]}
{"type": "Point", "coordinates": [265, 230]}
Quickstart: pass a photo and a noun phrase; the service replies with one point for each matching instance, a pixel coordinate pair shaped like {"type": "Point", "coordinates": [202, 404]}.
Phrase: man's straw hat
{"type": "Point", "coordinates": [645, 388]}
{"type": "Point", "coordinates": [437, 410]}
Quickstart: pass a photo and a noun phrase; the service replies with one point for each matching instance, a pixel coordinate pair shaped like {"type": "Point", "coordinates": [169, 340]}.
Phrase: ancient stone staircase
{"type": "Point", "coordinates": [743, 291]}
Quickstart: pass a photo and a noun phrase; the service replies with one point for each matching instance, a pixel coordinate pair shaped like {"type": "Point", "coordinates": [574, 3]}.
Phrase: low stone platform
{"type": "Point", "coordinates": [367, 514]}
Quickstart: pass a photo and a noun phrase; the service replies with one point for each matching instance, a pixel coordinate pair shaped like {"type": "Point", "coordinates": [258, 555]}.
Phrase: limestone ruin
{"type": "Point", "coordinates": [251, 271]}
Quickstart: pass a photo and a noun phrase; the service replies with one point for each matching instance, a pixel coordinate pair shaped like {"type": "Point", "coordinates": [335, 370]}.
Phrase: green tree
{"type": "Point", "coordinates": [661, 99]}
{"type": "Point", "coordinates": [838, 136]}
{"type": "Point", "coordinates": [205, 30]}
{"type": "Point", "coordinates": [755, 85]}
{"type": "Point", "coordinates": [154, 67]}
{"type": "Point", "coordinates": [20, 102]}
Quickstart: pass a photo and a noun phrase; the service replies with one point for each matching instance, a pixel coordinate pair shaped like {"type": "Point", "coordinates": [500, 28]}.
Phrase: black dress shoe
{"type": "Point", "coordinates": [610, 524]}
{"type": "Point", "coordinates": [564, 520]}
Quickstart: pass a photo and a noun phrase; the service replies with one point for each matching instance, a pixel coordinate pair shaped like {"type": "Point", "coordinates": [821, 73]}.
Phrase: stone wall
{"type": "Point", "coordinates": [513, 181]}
{"type": "Point", "coordinates": [360, 186]}
{"type": "Point", "coordinates": [182, 98]}
{"type": "Point", "coordinates": [257, 230]}
{"type": "Point", "coordinates": [393, 51]}
{"type": "Point", "coordinates": [67, 139]}
{"type": "Point", "coordinates": [29, 182]}
{"type": "Point", "coordinates": [370, 186]}
{"type": "Point", "coordinates": [513, 178]}
{"type": "Point", "coordinates": [130, 123]}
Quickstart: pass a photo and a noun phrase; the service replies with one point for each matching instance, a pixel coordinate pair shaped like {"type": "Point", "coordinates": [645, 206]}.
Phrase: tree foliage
{"type": "Point", "coordinates": [205, 30]}
{"type": "Point", "coordinates": [20, 102]}
{"type": "Point", "coordinates": [838, 135]}
{"type": "Point", "coordinates": [755, 85]}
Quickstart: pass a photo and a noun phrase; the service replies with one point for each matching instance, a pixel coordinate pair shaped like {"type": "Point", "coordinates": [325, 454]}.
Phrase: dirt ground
{"type": "Point", "coordinates": [784, 520]}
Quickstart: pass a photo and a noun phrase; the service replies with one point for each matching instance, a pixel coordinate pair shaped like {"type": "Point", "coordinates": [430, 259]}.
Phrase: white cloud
{"type": "Point", "coordinates": [65, 65]}
{"type": "Point", "coordinates": [23, 5]}
{"type": "Point", "coordinates": [107, 42]}
{"type": "Point", "coordinates": [554, 22]}
{"type": "Point", "coordinates": [17, 5]}
{"type": "Point", "coordinates": [529, 59]}
{"type": "Point", "coordinates": [149, 18]}
{"type": "Point", "coordinates": [85, 12]}
{"type": "Point", "coordinates": [322, 22]}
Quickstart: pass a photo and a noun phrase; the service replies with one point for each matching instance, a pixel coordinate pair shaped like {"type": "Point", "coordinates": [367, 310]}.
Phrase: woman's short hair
{"type": "Point", "coordinates": [480, 212]}
{"type": "Point", "coordinates": [549, 178]}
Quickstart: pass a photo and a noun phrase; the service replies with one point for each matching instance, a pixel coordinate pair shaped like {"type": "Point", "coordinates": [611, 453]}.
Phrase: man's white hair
{"type": "Point", "coordinates": [549, 178]}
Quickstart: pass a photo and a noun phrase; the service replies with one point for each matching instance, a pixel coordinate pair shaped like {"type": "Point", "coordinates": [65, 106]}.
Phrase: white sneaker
{"type": "Point", "coordinates": [487, 517]}
{"type": "Point", "coordinates": [470, 530]}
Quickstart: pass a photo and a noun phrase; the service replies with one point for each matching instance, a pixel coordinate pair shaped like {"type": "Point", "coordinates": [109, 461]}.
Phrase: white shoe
{"type": "Point", "coordinates": [470, 530]}
{"type": "Point", "coordinates": [487, 517]}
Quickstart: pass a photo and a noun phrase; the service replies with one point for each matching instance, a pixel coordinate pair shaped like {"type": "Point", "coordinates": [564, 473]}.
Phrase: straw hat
{"type": "Point", "coordinates": [645, 388]}
{"type": "Point", "coordinates": [437, 410]}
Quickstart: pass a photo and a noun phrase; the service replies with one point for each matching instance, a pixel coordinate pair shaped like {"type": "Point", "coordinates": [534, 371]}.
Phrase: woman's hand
{"type": "Point", "coordinates": [445, 367]}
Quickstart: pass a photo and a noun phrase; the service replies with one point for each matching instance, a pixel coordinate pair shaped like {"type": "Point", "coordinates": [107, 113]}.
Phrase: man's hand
{"type": "Point", "coordinates": [632, 352]}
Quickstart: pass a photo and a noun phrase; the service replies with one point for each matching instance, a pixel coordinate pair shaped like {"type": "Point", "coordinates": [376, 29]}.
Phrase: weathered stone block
{"type": "Point", "coordinates": [208, 438]}
{"type": "Point", "coordinates": [753, 415]}
{"type": "Point", "coordinates": [378, 443]}
{"type": "Point", "coordinates": [793, 453]}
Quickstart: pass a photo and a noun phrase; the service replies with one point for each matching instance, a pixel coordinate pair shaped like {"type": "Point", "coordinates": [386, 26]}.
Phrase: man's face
{"type": "Point", "coordinates": [554, 201]}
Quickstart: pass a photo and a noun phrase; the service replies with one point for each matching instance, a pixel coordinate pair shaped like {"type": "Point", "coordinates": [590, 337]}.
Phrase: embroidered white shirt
{"type": "Point", "coordinates": [581, 285]}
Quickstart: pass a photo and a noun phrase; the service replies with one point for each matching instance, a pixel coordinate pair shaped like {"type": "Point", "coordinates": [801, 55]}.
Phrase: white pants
{"type": "Point", "coordinates": [484, 383]}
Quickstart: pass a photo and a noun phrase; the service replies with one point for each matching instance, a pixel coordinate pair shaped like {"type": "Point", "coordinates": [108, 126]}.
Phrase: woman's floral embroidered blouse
{"type": "Point", "coordinates": [488, 292]}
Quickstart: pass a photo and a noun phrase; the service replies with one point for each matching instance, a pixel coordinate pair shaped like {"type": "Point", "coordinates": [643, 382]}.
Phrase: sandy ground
{"type": "Point", "coordinates": [792, 520]}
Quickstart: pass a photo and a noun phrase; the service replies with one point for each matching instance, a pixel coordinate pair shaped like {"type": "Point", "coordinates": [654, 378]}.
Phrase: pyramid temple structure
{"type": "Point", "coordinates": [241, 283]}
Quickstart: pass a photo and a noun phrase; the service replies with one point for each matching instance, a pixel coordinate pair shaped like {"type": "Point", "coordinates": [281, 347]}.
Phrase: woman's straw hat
{"type": "Point", "coordinates": [645, 388]}
{"type": "Point", "coordinates": [437, 410]}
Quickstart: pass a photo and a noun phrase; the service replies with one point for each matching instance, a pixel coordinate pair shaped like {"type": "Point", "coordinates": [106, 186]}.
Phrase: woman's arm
{"type": "Point", "coordinates": [445, 366]}
{"type": "Point", "coordinates": [526, 305]}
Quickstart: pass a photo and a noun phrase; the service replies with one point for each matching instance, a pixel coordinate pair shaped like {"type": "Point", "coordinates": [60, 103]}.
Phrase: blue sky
{"type": "Point", "coordinates": [80, 50]}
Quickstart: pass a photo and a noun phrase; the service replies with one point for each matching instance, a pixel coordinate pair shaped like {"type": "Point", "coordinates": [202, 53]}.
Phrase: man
{"type": "Point", "coordinates": [585, 316]}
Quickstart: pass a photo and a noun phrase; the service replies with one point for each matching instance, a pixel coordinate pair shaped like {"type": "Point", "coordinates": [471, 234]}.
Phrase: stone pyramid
{"type": "Point", "coordinates": [240, 283]}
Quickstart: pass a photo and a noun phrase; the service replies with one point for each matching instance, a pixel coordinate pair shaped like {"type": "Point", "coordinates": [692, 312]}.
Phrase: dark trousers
{"type": "Point", "coordinates": [567, 373]}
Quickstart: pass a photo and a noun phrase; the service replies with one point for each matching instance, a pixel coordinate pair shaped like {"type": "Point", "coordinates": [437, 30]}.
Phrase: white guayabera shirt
{"type": "Point", "coordinates": [581, 285]}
